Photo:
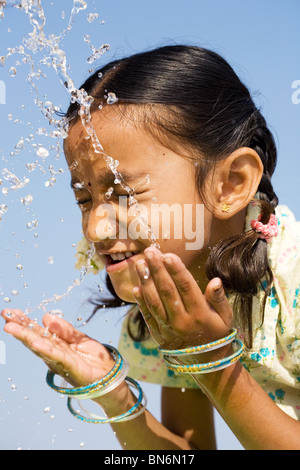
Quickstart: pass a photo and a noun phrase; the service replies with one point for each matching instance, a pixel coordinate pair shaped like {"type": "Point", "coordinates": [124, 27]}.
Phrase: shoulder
{"type": "Point", "coordinates": [284, 250]}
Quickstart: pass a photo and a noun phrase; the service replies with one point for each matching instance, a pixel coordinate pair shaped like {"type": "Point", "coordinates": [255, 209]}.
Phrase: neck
{"type": "Point", "coordinates": [220, 230]}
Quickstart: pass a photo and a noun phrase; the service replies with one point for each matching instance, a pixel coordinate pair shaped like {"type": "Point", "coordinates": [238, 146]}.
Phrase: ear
{"type": "Point", "coordinates": [235, 182]}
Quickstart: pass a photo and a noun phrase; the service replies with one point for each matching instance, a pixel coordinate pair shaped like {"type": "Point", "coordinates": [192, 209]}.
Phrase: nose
{"type": "Point", "coordinates": [101, 224]}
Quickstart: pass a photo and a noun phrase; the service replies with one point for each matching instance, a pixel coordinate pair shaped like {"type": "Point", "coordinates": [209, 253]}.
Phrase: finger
{"type": "Point", "coordinates": [216, 297]}
{"type": "Point", "coordinates": [14, 315]}
{"type": "Point", "coordinates": [147, 315]}
{"type": "Point", "coordinates": [190, 293]}
{"type": "Point", "coordinates": [19, 317]}
{"type": "Point", "coordinates": [164, 283]}
{"type": "Point", "coordinates": [51, 352]}
{"type": "Point", "coordinates": [151, 300]}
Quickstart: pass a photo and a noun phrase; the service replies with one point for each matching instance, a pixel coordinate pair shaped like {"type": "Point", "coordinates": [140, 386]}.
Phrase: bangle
{"type": "Point", "coordinates": [219, 343]}
{"type": "Point", "coordinates": [130, 414]}
{"type": "Point", "coordinates": [111, 385]}
{"type": "Point", "coordinates": [209, 366]}
{"type": "Point", "coordinates": [87, 390]}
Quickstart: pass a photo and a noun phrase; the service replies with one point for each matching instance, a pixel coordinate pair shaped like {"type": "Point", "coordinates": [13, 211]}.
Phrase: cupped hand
{"type": "Point", "coordinates": [177, 313]}
{"type": "Point", "coordinates": [66, 351]}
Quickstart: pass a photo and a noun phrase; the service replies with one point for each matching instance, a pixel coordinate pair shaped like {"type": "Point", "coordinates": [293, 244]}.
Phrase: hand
{"type": "Point", "coordinates": [176, 311]}
{"type": "Point", "coordinates": [66, 351]}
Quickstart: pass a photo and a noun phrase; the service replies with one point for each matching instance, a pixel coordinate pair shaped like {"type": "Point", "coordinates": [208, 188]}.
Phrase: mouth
{"type": "Point", "coordinates": [115, 261]}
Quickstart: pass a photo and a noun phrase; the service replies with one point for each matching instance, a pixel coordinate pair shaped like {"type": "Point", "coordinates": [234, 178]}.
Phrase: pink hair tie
{"type": "Point", "coordinates": [267, 231]}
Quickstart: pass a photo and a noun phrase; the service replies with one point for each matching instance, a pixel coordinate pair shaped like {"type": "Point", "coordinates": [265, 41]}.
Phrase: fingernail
{"type": "Point", "coordinates": [217, 285]}
{"type": "Point", "coordinates": [167, 259]}
{"type": "Point", "coordinates": [8, 313]}
{"type": "Point", "coordinates": [136, 291]}
{"type": "Point", "coordinates": [149, 254]}
{"type": "Point", "coordinates": [143, 269]}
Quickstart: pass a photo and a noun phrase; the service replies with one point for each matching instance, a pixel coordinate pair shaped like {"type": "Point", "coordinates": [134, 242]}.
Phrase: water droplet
{"type": "Point", "coordinates": [111, 98]}
{"type": "Point", "coordinates": [92, 17]}
{"type": "Point", "coordinates": [79, 185]}
{"type": "Point", "coordinates": [41, 131]}
{"type": "Point", "coordinates": [12, 71]}
{"type": "Point", "coordinates": [3, 209]}
{"type": "Point", "coordinates": [32, 225]}
{"type": "Point", "coordinates": [30, 166]}
{"type": "Point", "coordinates": [45, 332]}
{"type": "Point", "coordinates": [109, 192]}
{"type": "Point", "coordinates": [42, 152]}
{"type": "Point", "coordinates": [146, 273]}
{"type": "Point", "coordinates": [19, 145]}
{"type": "Point", "coordinates": [47, 409]}
{"type": "Point", "coordinates": [27, 200]}
{"type": "Point", "coordinates": [51, 182]}
{"type": "Point", "coordinates": [19, 267]}
{"type": "Point", "coordinates": [97, 53]}
{"type": "Point", "coordinates": [50, 260]}
{"type": "Point", "coordinates": [13, 387]}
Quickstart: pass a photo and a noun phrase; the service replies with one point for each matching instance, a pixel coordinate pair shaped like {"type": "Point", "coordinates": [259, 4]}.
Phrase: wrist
{"type": "Point", "coordinates": [204, 359]}
{"type": "Point", "coordinates": [116, 401]}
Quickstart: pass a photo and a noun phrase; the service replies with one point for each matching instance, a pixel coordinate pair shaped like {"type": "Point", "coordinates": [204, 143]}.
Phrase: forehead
{"type": "Point", "coordinates": [120, 137]}
{"type": "Point", "coordinates": [123, 139]}
{"type": "Point", "coordinates": [113, 132]}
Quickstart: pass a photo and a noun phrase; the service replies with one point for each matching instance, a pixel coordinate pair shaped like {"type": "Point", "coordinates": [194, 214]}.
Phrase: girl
{"type": "Point", "coordinates": [185, 132]}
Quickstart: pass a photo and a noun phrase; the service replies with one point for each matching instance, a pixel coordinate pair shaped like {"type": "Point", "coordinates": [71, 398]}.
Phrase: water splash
{"type": "Point", "coordinates": [33, 44]}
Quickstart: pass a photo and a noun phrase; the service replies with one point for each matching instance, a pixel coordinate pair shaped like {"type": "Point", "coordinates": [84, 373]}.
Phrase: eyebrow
{"type": "Point", "coordinates": [107, 178]}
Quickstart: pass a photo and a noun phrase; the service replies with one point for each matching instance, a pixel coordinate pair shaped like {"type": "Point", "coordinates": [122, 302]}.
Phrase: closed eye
{"type": "Point", "coordinates": [84, 201]}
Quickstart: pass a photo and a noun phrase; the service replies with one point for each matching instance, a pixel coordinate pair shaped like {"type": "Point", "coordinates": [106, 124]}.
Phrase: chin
{"type": "Point", "coordinates": [124, 292]}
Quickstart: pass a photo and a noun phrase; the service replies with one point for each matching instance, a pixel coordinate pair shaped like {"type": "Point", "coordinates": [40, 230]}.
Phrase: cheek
{"type": "Point", "coordinates": [123, 283]}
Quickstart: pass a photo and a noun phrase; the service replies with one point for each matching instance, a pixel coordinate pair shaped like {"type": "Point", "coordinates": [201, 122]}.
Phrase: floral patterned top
{"type": "Point", "coordinates": [274, 359]}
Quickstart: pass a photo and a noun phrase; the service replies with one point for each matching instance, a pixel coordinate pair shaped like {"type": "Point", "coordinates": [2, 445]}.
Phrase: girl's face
{"type": "Point", "coordinates": [161, 179]}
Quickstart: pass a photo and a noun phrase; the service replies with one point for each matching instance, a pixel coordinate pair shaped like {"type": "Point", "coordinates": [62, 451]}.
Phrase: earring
{"type": "Point", "coordinates": [225, 208]}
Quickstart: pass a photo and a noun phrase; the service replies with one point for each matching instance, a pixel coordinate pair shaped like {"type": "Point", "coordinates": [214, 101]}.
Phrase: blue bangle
{"type": "Point", "coordinates": [209, 366]}
{"type": "Point", "coordinates": [85, 390]}
{"type": "Point", "coordinates": [130, 414]}
{"type": "Point", "coordinates": [219, 343]}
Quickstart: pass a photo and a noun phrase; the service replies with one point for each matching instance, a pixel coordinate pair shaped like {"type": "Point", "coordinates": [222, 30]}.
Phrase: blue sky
{"type": "Point", "coordinates": [259, 38]}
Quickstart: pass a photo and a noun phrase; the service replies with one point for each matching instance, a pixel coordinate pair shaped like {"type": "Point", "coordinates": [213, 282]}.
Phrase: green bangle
{"type": "Point", "coordinates": [130, 414]}
{"type": "Point", "coordinates": [219, 343]}
{"type": "Point", "coordinates": [86, 390]}
{"type": "Point", "coordinates": [206, 367]}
